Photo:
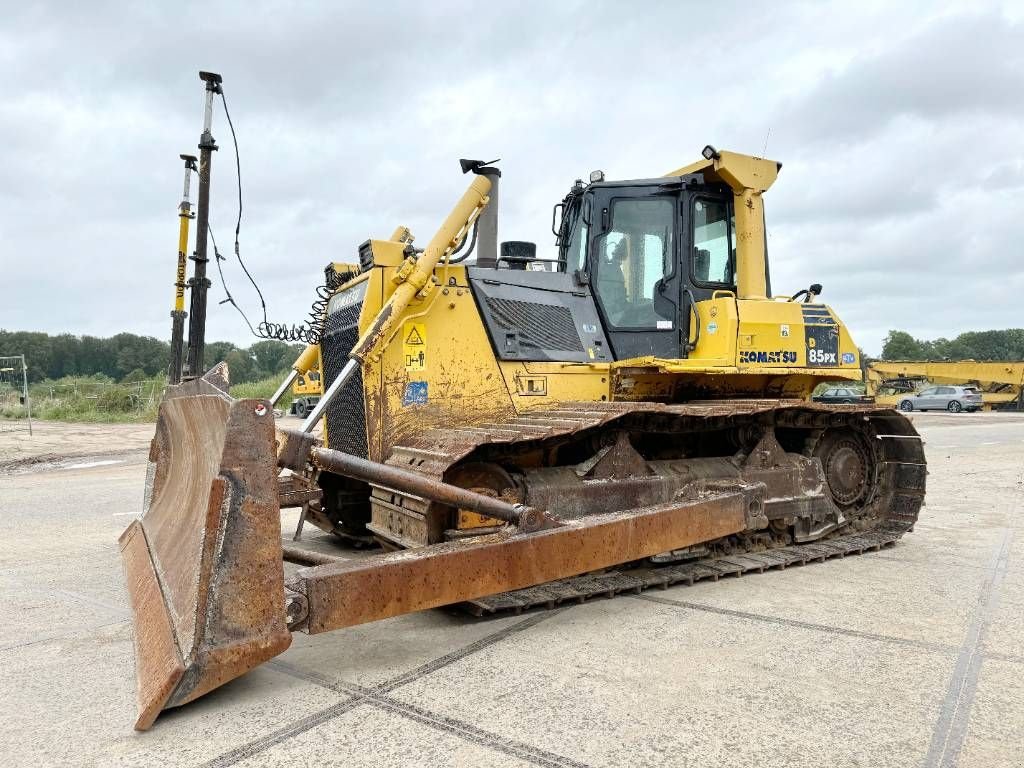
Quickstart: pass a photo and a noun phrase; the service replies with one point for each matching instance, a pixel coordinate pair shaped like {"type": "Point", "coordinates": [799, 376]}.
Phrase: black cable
{"type": "Point", "coordinates": [224, 283]}
{"type": "Point", "coordinates": [472, 245]}
{"type": "Point", "coordinates": [308, 332]}
{"type": "Point", "coordinates": [311, 331]}
{"type": "Point", "coordinates": [238, 222]}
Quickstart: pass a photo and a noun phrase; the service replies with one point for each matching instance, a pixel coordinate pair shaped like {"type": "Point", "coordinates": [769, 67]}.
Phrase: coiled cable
{"type": "Point", "coordinates": [308, 332]}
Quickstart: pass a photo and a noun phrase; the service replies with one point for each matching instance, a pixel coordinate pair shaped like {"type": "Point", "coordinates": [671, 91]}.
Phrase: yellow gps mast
{"type": "Point", "coordinates": [178, 314]}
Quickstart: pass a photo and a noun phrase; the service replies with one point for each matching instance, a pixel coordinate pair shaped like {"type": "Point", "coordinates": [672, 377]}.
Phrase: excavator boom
{"type": "Point", "coordinates": [1001, 382]}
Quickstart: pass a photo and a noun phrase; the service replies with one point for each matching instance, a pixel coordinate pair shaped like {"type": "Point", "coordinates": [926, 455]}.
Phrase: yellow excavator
{"type": "Point", "coordinates": [1001, 383]}
{"type": "Point", "coordinates": [519, 431]}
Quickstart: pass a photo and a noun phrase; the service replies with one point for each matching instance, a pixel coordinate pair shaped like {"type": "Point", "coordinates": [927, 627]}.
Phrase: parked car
{"type": "Point", "coordinates": [954, 399]}
{"type": "Point", "coordinates": [842, 395]}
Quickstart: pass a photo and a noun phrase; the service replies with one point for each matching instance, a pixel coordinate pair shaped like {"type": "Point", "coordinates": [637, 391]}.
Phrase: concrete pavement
{"type": "Point", "coordinates": [912, 656]}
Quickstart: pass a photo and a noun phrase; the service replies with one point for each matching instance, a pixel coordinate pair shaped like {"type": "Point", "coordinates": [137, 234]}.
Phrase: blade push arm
{"type": "Point", "coordinates": [414, 279]}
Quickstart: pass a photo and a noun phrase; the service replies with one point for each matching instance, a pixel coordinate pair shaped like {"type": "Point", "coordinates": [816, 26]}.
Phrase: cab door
{"type": "Point", "coordinates": [711, 246]}
{"type": "Point", "coordinates": [634, 270]}
{"type": "Point", "coordinates": [708, 255]}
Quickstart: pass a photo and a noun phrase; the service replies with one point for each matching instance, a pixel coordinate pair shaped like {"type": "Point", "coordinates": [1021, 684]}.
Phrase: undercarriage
{"type": "Point", "coordinates": [834, 481]}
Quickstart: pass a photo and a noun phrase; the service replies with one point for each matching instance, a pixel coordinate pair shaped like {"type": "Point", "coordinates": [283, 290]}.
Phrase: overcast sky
{"type": "Point", "coordinates": [900, 127]}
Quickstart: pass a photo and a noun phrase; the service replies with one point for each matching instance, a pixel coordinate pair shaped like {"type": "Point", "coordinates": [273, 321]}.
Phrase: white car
{"type": "Point", "coordinates": [954, 399]}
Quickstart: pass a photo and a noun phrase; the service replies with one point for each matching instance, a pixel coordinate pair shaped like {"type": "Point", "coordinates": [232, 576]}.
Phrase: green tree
{"type": "Point", "coordinates": [145, 352]}
{"type": "Point", "coordinates": [241, 366]}
{"type": "Point", "coordinates": [274, 356]}
{"type": "Point", "coordinates": [97, 356]}
{"type": "Point", "coordinates": [900, 345]}
{"type": "Point", "coordinates": [217, 351]}
{"type": "Point", "coordinates": [1005, 344]}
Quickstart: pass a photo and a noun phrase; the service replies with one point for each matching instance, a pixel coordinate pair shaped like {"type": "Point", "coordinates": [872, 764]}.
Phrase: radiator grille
{"type": "Point", "coordinates": [346, 417]}
{"type": "Point", "coordinates": [539, 326]}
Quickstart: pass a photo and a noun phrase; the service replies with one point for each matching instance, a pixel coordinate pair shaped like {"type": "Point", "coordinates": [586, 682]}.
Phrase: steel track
{"type": "Point", "coordinates": [635, 580]}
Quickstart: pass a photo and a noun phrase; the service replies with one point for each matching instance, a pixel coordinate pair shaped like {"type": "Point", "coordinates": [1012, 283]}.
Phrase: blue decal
{"type": "Point", "coordinates": [849, 358]}
{"type": "Point", "coordinates": [415, 393]}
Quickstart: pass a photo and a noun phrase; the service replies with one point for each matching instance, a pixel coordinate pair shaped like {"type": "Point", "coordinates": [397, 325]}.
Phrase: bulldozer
{"type": "Point", "coordinates": [306, 391]}
{"type": "Point", "coordinates": [520, 431]}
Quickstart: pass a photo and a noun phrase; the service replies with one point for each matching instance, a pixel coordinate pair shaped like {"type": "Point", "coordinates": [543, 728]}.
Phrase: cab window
{"type": "Point", "coordinates": [632, 258]}
{"type": "Point", "coordinates": [577, 251]}
{"type": "Point", "coordinates": [714, 242]}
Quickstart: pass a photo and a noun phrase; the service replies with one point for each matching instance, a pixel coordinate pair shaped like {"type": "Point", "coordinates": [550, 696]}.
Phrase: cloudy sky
{"type": "Point", "coordinates": [900, 127]}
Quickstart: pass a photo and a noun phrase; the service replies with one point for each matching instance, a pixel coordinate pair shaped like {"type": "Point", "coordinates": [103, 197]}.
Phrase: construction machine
{"type": "Point", "coordinates": [1001, 383]}
{"type": "Point", "coordinates": [306, 391]}
{"type": "Point", "coordinates": [520, 431]}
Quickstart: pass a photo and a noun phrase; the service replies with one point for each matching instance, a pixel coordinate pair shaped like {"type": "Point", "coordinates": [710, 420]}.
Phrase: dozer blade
{"type": "Point", "coordinates": [203, 564]}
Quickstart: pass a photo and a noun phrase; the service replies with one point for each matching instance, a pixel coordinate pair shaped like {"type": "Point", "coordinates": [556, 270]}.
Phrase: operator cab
{"type": "Point", "coordinates": [634, 258]}
{"type": "Point", "coordinates": [649, 250]}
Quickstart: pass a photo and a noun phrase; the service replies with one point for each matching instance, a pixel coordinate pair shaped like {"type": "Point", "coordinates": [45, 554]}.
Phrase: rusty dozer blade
{"type": "Point", "coordinates": [203, 564]}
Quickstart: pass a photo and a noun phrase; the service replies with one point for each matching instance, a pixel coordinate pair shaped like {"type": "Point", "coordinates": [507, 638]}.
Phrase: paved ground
{"type": "Point", "coordinates": [52, 441]}
{"type": "Point", "coordinates": [913, 656]}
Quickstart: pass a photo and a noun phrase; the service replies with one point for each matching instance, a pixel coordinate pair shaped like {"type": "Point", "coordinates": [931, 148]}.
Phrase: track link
{"type": "Point", "coordinates": [635, 580]}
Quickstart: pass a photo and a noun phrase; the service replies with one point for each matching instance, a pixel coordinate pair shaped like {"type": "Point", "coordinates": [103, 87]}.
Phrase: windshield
{"type": "Point", "coordinates": [632, 259]}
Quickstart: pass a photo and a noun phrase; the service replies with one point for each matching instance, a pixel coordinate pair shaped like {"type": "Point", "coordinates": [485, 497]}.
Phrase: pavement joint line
{"type": "Point", "coordinates": [51, 638]}
{"type": "Point", "coordinates": [78, 597]}
{"type": "Point", "coordinates": [828, 628]}
{"type": "Point", "coordinates": [311, 721]}
{"type": "Point", "coordinates": [454, 726]}
{"type": "Point", "coordinates": [954, 716]}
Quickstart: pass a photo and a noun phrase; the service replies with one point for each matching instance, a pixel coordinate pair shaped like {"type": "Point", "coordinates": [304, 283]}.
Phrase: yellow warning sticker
{"type": "Point", "coordinates": [414, 346]}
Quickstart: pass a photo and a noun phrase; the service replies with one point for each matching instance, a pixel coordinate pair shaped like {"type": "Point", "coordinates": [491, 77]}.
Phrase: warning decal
{"type": "Point", "coordinates": [414, 346]}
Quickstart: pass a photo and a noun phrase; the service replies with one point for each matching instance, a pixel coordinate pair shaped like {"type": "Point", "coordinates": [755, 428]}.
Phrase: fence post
{"type": "Point", "coordinates": [28, 400]}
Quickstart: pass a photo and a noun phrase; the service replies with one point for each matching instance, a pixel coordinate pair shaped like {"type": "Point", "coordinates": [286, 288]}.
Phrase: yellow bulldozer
{"type": "Point", "coordinates": [306, 391]}
{"type": "Point", "coordinates": [519, 431]}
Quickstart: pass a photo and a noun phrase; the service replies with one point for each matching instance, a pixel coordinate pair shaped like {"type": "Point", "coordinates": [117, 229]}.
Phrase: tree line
{"type": "Point", "coordinates": [974, 345]}
{"type": "Point", "coordinates": [127, 356]}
